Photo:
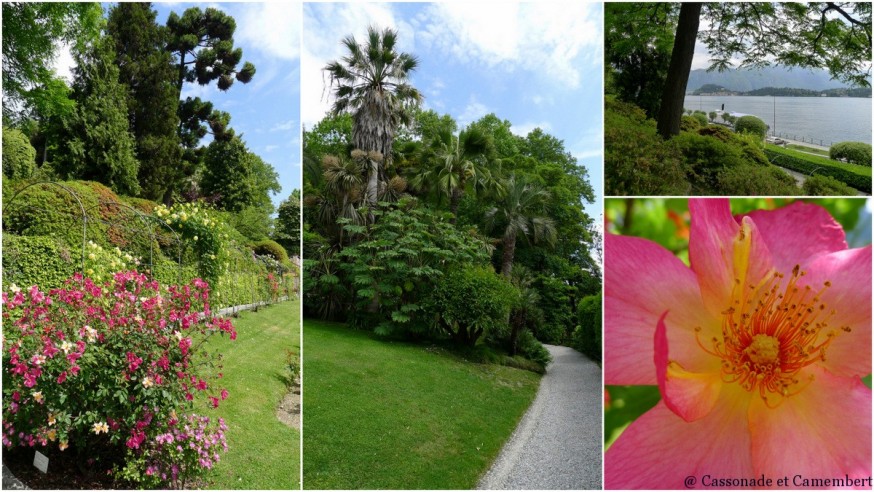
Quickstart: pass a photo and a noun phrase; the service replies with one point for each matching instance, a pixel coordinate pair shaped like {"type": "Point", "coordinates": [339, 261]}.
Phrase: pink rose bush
{"type": "Point", "coordinates": [758, 349]}
{"type": "Point", "coordinates": [105, 368]}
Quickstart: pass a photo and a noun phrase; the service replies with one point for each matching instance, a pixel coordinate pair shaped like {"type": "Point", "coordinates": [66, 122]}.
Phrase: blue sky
{"type": "Point", "coordinates": [266, 111]}
{"type": "Point", "coordinates": [536, 65]}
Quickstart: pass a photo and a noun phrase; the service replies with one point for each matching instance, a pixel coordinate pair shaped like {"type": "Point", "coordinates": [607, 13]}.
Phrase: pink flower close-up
{"type": "Point", "coordinates": [758, 349]}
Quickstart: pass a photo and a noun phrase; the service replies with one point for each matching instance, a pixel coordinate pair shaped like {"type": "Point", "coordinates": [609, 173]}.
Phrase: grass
{"type": "Point", "coordinates": [263, 453]}
{"type": "Point", "coordinates": [380, 414]}
{"type": "Point", "coordinates": [822, 161]}
{"type": "Point", "coordinates": [807, 149]}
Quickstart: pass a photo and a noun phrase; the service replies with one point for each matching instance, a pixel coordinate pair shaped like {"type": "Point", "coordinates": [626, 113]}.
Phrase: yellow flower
{"type": "Point", "coordinates": [38, 396]}
{"type": "Point", "coordinates": [63, 445]}
{"type": "Point", "coordinates": [147, 382]}
{"type": "Point", "coordinates": [51, 435]}
{"type": "Point", "coordinates": [51, 419]}
{"type": "Point", "coordinates": [100, 427]}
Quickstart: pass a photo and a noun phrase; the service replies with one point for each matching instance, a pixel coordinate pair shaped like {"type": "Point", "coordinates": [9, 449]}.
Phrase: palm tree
{"type": "Point", "coordinates": [450, 163]}
{"type": "Point", "coordinates": [518, 212]}
{"type": "Point", "coordinates": [370, 82]}
{"type": "Point", "coordinates": [338, 194]}
{"type": "Point", "coordinates": [527, 310]}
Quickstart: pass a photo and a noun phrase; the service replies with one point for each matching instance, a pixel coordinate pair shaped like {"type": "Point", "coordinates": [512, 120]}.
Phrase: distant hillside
{"type": "Point", "coordinates": [749, 80]}
{"type": "Point", "coordinates": [718, 90]}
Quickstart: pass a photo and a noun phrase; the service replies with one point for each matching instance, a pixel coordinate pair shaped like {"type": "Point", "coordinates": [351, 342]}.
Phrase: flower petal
{"type": "Point", "coordinates": [797, 232]}
{"type": "Point", "coordinates": [659, 449]}
{"type": "Point", "coordinates": [723, 252]}
{"type": "Point", "coordinates": [642, 280]}
{"type": "Point", "coordinates": [822, 432]}
{"type": "Point", "coordinates": [688, 394]}
{"type": "Point", "coordinates": [849, 273]}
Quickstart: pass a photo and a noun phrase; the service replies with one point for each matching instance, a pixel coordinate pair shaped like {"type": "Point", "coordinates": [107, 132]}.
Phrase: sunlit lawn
{"type": "Point", "coordinates": [263, 452]}
{"type": "Point", "coordinates": [388, 415]}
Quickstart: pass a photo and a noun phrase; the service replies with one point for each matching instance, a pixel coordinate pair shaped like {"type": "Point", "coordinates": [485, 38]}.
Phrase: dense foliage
{"type": "Point", "coordinates": [852, 152]}
{"type": "Point", "coordinates": [19, 157]}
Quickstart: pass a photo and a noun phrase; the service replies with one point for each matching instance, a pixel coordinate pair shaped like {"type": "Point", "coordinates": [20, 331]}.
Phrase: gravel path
{"type": "Point", "coordinates": [558, 444]}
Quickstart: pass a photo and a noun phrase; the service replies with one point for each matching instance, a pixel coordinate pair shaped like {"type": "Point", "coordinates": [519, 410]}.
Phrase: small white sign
{"type": "Point", "coordinates": [41, 462]}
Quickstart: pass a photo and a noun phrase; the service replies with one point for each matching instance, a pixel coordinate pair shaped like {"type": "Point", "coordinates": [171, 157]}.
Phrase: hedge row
{"type": "Point", "coordinates": [795, 163]}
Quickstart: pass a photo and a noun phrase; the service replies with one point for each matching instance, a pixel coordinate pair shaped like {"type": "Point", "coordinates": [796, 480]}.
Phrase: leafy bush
{"type": "Point", "coordinates": [750, 145]}
{"type": "Point", "coordinates": [854, 152]}
{"type": "Point", "coordinates": [272, 248]}
{"type": "Point", "coordinates": [396, 263]}
{"type": "Point", "coordinates": [701, 117]}
{"type": "Point", "coordinates": [751, 124]}
{"type": "Point", "coordinates": [818, 185]}
{"type": "Point", "coordinates": [200, 230]}
{"type": "Point", "coordinates": [756, 181]}
{"type": "Point", "coordinates": [19, 157]}
{"type": "Point", "coordinates": [471, 301]}
{"type": "Point", "coordinates": [690, 124]}
{"type": "Point", "coordinates": [532, 349]}
{"type": "Point", "coordinates": [706, 157]}
{"type": "Point", "coordinates": [803, 163]}
{"type": "Point", "coordinates": [636, 159]}
{"type": "Point", "coordinates": [587, 336]}
{"type": "Point", "coordinates": [107, 370]}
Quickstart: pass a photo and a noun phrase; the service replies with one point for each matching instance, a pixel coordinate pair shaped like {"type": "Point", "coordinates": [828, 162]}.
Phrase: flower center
{"type": "Point", "coordinates": [771, 331]}
{"type": "Point", "coordinates": [765, 350]}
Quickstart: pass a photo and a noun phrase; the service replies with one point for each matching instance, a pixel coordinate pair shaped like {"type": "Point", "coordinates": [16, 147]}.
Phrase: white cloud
{"type": "Point", "coordinates": [270, 148]}
{"type": "Point", "coordinates": [557, 39]}
{"type": "Point", "coordinates": [325, 25]}
{"type": "Point", "coordinates": [525, 128]}
{"type": "Point", "coordinates": [472, 112]}
{"type": "Point", "coordinates": [273, 28]}
{"type": "Point", "coordinates": [285, 126]}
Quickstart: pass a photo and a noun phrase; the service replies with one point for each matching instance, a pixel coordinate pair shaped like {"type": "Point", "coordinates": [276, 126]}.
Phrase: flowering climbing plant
{"type": "Point", "coordinates": [107, 367]}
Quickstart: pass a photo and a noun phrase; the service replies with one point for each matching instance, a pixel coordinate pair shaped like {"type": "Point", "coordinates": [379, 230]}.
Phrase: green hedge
{"type": "Point", "coordinates": [800, 162]}
{"type": "Point", "coordinates": [38, 260]}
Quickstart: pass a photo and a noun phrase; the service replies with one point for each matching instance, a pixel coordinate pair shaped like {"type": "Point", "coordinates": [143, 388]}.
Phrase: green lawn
{"type": "Point", "coordinates": [263, 453]}
{"type": "Point", "coordinates": [811, 150]}
{"type": "Point", "coordinates": [389, 415]}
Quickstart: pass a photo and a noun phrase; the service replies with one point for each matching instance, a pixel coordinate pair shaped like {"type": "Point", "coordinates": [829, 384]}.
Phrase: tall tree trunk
{"type": "Point", "coordinates": [671, 110]}
{"type": "Point", "coordinates": [372, 183]}
{"type": "Point", "coordinates": [509, 253]}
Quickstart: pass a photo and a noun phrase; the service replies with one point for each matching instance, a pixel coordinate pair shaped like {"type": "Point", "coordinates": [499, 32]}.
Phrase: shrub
{"type": "Point", "coordinates": [854, 152]}
{"type": "Point", "coordinates": [271, 248]}
{"type": "Point", "coordinates": [756, 181]}
{"type": "Point", "coordinates": [751, 124]}
{"type": "Point", "coordinates": [689, 124]}
{"type": "Point", "coordinates": [19, 157]}
{"type": "Point", "coordinates": [532, 349]}
{"type": "Point", "coordinates": [107, 370]}
{"type": "Point", "coordinates": [202, 231]}
{"type": "Point", "coordinates": [396, 264]}
{"type": "Point", "coordinates": [471, 301]}
{"type": "Point", "coordinates": [637, 160]}
{"type": "Point", "coordinates": [587, 335]}
{"type": "Point", "coordinates": [712, 115]}
{"type": "Point", "coordinates": [818, 185]}
{"type": "Point", "coordinates": [706, 157]}
{"type": "Point", "coordinates": [701, 117]}
{"type": "Point", "coordinates": [750, 145]}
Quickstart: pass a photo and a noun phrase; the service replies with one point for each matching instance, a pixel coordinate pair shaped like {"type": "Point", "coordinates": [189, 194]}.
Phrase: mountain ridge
{"type": "Point", "coordinates": [745, 80]}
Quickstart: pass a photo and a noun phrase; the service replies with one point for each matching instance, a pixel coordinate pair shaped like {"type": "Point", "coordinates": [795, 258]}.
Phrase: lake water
{"type": "Point", "coordinates": [830, 119]}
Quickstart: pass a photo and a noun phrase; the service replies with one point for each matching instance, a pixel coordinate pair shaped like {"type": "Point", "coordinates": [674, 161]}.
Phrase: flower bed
{"type": "Point", "coordinates": [109, 373]}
